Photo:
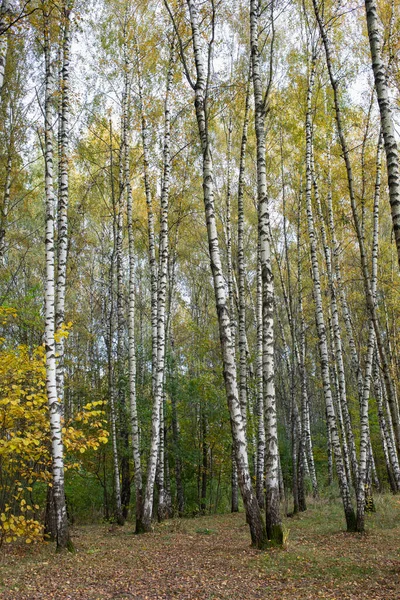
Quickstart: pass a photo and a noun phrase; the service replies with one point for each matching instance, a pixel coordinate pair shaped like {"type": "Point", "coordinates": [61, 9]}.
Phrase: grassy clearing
{"type": "Point", "coordinates": [209, 558]}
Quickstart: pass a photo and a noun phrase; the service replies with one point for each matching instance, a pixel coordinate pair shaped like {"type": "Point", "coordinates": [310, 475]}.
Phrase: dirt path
{"type": "Point", "coordinates": [209, 558]}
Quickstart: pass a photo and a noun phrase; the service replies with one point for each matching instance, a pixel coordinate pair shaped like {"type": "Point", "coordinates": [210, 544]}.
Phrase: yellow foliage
{"type": "Point", "coordinates": [25, 455]}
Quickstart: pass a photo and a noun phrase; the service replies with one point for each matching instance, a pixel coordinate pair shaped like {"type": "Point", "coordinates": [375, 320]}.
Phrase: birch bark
{"type": "Point", "coordinates": [241, 263]}
{"type": "Point", "coordinates": [157, 424]}
{"type": "Point", "coordinates": [201, 88]}
{"type": "Point", "coordinates": [57, 448]}
{"type": "Point", "coordinates": [389, 384]}
{"type": "Point", "coordinates": [387, 124]}
{"type": "Point", "coordinates": [273, 519]}
{"type": "Point", "coordinates": [364, 422]}
{"type": "Point", "coordinates": [337, 336]}
{"type": "Point", "coordinates": [138, 476]}
{"type": "Point", "coordinates": [5, 207]}
{"type": "Point", "coordinates": [111, 375]}
{"type": "Point", "coordinates": [321, 328]}
{"type": "Point", "coordinates": [4, 9]}
{"type": "Point", "coordinates": [62, 217]}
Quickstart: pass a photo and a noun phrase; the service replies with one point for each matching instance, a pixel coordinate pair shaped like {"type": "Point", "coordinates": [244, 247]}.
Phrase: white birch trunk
{"type": "Point", "coordinates": [5, 208]}
{"type": "Point", "coordinates": [387, 123]}
{"type": "Point", "coordinates": [389, 384]}
{"type": "Point", "coordinates": [243, 351]}
{"type": "Point", "coordinates": [321, 328]}
{"type": "Point", "coordinates": [393, 462]}
{"type": "Point", "coordinates": [305, 409]}
{"type": "Point", "coordinates": [111, 376]}
{"type": "Point", "coordinates": [336, 333]}
{"type": "Point", "coordinates": [364, 422]}
{"type": "Point", "coordinates": [273, 518]}
{"type": "Point", "coordinates": [254, 519]}
{"type": "Point", "coordinates": [150, 220]}
{"type": "Point", "coordinates": [57, 448]}
{"type": "Point", "coordinates": [138, 476]}
{"type": "Point", "coordinates": [62, 217]}
{"type": "Point", "coordinates": [157, 421]}
{"type": "Point", "coordinates": [4, 9]}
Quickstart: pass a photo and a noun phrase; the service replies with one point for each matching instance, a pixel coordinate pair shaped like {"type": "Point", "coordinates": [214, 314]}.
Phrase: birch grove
{"type": "Point", "coordinates": [199, 231]}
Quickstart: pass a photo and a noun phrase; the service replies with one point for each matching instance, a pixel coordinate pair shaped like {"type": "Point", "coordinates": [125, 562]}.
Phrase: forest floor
{"type": "Point", "coordinates": [209, 558]}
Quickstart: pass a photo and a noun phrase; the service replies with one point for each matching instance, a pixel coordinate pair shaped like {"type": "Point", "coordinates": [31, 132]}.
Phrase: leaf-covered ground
{"type": "Point", "coordinates": [208, 558]}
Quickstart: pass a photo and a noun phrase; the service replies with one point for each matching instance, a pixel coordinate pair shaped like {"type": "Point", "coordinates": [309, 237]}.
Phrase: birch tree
{"type": "Point", "coordinates": [55, 409]}
{"type": "Point", "coordinates": [273, 519]}
{"type": "Point", "coordinates": [4, 13]}
{"type": "Point", "coordinates": [371, 305]}
{"type": "Point", "coordinates": [158, 380]}
{"type": "Point", "coordinates": [387, 124]}
{"type": "Point", "coordinates": [200, 86]}
{"type": "Point", "coordinates": [63, 192]}
{"type": "Point", "coordinates": [321, 327]}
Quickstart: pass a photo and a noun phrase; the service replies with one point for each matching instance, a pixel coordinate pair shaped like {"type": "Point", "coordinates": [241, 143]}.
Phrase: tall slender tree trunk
{"type": "Point", "coordinates": [4, 10]}
{"type": "Point", "coordinates": [111, 375]}
{"type": "Point", "coordinates": [57, 448]}
{"type": "Point", "coordinates": [63, 193]}
{"type": "Point", "coordinates": [201, 88]}
{"type": "Point", "coordinates": [387, 122]}
{"type": "Point", "coordinates": [389, 384]}
{"type": "Point", "coordinates": [321, 328]}
{"type": "Point", "coordinates": [138, 475]}
{"type": "Point", "coordinates": [243, 352]}
{"type": "Point", "coordinates": [121, 354]}
{"type": "Point", "coordinates": [176, 437]}
{"type": "Point", "coordinates": [336, 334]}
{"type": "Point", "coordinates": [305, 409]}
{"type": "Point", "coordinates": [157, 422]}
{"type": "Point", "coordinates": [273, 518]}
{"type": "Point", "coordinates": [260, 474]}
{"type": "Point", "coordinates": [150, 221]}
{"type": "Point", "coordinates": [5, 207]}
{"type": "Point", "coordinates": [365, 441]}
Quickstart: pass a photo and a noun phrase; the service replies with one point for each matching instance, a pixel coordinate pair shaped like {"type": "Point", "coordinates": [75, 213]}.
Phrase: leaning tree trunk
{"type": "Point", "coordinates": [387, 122]}
{"type": "Point", "coordinates": [321, 328]}
{"type": "Point", "coordinates": [253, 514]}
{"type": "Point", "coordinates": [336, 332]}
{"type": "Point", "coordinates": [273, 518]}
{"type": "Point", "coordinates": [392, 462]}
{"type": "Point", "coordinates": [371, 305]}
{"type": "Point", "coordinates": [57, 448]}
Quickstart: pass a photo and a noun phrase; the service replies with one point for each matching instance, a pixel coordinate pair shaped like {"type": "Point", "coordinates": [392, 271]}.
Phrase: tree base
{"type": "Point", "coordinates": [351, 521]}
{"type": "Point", "coordinates": [67, 545]}
{"type": "Point", "coordinates": [276, 536]}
